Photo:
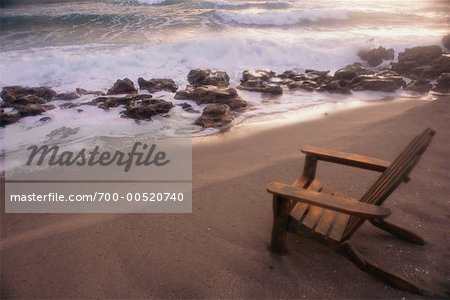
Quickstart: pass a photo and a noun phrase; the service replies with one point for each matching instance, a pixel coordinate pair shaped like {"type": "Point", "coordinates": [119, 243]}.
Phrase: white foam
{"type": "Point", "coordinates": [279, 18]}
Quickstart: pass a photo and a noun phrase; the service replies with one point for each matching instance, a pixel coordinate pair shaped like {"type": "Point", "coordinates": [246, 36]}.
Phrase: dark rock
{"type": "Point", "coordinates": [307, 85]}
{"type": "Point", "coordinates": [212, 94]}
{"type": "Point", "coordinates": [145, 109]}
{"type": "Point", "coordinates": [446, 41]}
{"type": "Point", "coordinates": [29, 99]}
{"type": "Point", "coordinates": [157, 84]}
{"type": "Point", "coordinates": [262, 87]}
{"type": "Point", "coordinates": [378, 84]}
{"type": "Point", "coordinates": [215, 115]}
{"type": "Point", "coordinates": [375, 56]}
{"type": "Point", "coordinates": [291, 74]}
{"type": "Point", "coordinates": [318, 76]}
{"type": "Point", "coordinates": [68, 96]}
{"type": "Point", "coordinates": [11, 93]}
{"type": "Point", "coordinates": [188, 108]}
{"type": "Point", "coordinates": [199, 77]}
{"type": "Point", "coordinates": [336, 87]}
{"type": "Point", "coordinates": [68, 105]}
{"type": "Point", "coordinates": [420, 55]}
{"type": "Point", "coordinates": [124, 86]}
{"type": "Point", "coordinates": [258, 75]}
{"type": "Point", "coordinates": [359, 69]}
{"type": "Point", "coordinates": [435, 69]}
{"type": "Point", "coordinates": [345, 74]}
{"type": "Point", "coordinates": [82, 92]}
{"type": "Point", "coordinates": [7, 118]}
{"type": "Point", "coordinates": [105, 102]}
{"type": "Point", "coordinates": [443, 84]}
{"type": "Point", "coordinates": [31, 109]}
{"type": "Point", "coordinates": [260, 81]}
{"type": "Point", "coordinates": [419, 86]}
{"type": "Point", "coordinates": [45, 119]}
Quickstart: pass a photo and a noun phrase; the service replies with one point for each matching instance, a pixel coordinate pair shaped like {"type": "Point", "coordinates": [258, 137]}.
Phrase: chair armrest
{"type": "Point", "coordinates": [339, 204]}
{"type": "Point", "coordinates": [348, 159]}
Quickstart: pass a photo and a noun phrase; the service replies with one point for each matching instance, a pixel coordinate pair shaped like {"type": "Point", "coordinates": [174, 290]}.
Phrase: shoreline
{"type": "Point", "coordinates": [232, 212]}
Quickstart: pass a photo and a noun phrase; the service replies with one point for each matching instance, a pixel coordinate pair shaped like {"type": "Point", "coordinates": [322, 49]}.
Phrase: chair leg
{"type": "Point", "coordinates": [365, 265]}
{"type": "Point", "coordinates": [398, 231]}
{"type": "Point", "coordinates": [281, 208]}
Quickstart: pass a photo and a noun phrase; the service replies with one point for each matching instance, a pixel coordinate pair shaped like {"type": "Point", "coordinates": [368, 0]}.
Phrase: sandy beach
{"type": "Point", "coordinates": [221, 249]}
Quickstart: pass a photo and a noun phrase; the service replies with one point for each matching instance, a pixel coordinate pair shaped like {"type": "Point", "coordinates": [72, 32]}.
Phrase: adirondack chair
{"type": "Point", "coordinates": [310, 208]}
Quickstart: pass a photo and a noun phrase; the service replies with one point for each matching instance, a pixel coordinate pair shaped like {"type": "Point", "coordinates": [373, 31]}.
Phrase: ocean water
{"type": "Point", "coordinates": [91, 43]}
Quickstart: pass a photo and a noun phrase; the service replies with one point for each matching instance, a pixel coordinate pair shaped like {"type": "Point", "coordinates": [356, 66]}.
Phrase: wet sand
{"type": "Point", "coordinates": [221, 249]}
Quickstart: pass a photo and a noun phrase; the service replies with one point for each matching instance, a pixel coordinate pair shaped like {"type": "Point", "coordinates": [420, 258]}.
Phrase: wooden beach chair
{"type": "Point", "coordinates": [310, 208]}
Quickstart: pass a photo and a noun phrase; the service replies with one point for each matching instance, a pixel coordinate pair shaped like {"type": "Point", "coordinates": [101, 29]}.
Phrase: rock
{"type": "Point", "coordinates": [11, 93]}
{"type": "Point", "coordinates": [420, 55]}
{"type": "Point", "coordinates": [31, 109]}
{"type": "Point", "coordinates": [45, 119]}
{"type": "Point", "coordinates": [7, 118]}
{"type": "Point", "coordinates": [435, 69]}
{"type": "Point", "coordinates": [157, 84]}
{"type": "Point", "coordinates": [267, 88]}
{"type": "Point", "coordinates": [419, 86]}
{"type": "Point", "coordinates": [443, 84]}
{"type": "Point", "coordinates": [257, 75]}
{"type": "Point", "coordinates": [29, 99]}
{"type": "Point", "coordinates": [105, 102]}
{"type": "Point", "coordinates": [378, 84]}
{"type": "Point", "coordinates": [345, 74]}
{"type": "Point", "coordinates": [291, 74]}
{"type": "Point", "coordinates": [82, 92]}
{"type": "Point", "coordinates": [307, 85]}
{"type": "Point", "coordinates": [446, 41]}
{"type": "Point", "coordinates": [359, 69]}
{"type": "Point", "coordinates": [199, 77]}
{"type": "Point", "coordinates": [318, 76]}
{"type": "Point", "coordinates": [69, 105]}
{"type": "Point", "coordinates": [375, 56]}
{"type": "Point", "coordinates": [188, 108]}
{"type": "Point", "coordinates": [145, 109]}
{"type": "Point", "coordinates": [260, 81]}
{"type": "Point", "coordinates": [212, 94]}
{"type": "Point", "coordinates": [215, 115]}
{"type": "Point", "coordinates": [124, 86]}
{"type": "Point", "coordinates": [68, 96]}
{"type": "Point", "coordinates": [336, 87]}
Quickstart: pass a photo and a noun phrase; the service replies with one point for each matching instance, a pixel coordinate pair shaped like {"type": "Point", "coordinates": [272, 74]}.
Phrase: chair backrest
{"type": "Point", "coordinates": [397, 172]}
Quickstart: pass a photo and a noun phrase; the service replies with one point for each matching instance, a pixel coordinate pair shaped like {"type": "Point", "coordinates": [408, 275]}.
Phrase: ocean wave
{"type": "Point", "coordinates": [268, 18]}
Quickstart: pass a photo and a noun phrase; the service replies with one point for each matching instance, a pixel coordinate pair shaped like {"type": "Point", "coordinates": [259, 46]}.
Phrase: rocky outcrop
{"type": "Point", "coordinates": [336, 87]}
{"type": "Point", "coordinates": [215, 116]}
{"type": "Point", "coordinates": [32, 109]}
{"type": "Point", "coordinates": [157, 84]}
{"type": "Point", "coordinates": [105, 102]}
{"type": "Point", "coordinates": [413, 61]}
{"type": "Point", "coordinates": [212, 94]}
{"type": "Point", "coordinates": [199, 77]}
{"type": "Point", "coordinates": [385, 81]}
{"type": "Point", "coordinates": [375, 56]}
{"type": "Point", "coordinates": [68, 96]}
{"type": "Point", "coordinates": [8, 118]}
{"type": "Point", "coordinates": [146, 108]}
{"type": "Point", "coordinates": [446, 41]}
{"type": "Point", "coordinates": [443, 84]}
{"type": "Point", "coordinates": [419, 86]}
{"type": "Point", "coordinates": [421, 55]}
{"type": "Point", "coordinates": [122, 86]}
{"type": "Point", "coordinates": [188, 108]}
{"type": "Point", "coordinates": [82, 92]}
{"type": "Point", "coordinates": [260, 81]}
{"type": "Point", "coordinates": [15, 94]}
